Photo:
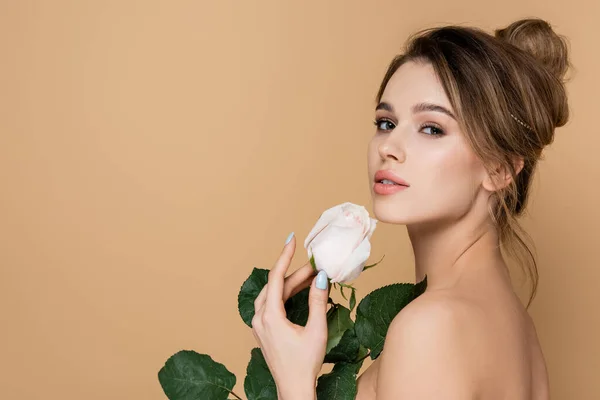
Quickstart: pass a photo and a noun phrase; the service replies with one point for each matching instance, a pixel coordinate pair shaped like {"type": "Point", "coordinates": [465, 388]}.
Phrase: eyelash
{"type": "Point", "coordinates": [426, 125]}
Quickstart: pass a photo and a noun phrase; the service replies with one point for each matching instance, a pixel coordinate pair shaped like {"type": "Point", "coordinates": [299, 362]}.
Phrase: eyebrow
{"type": "Point", "coordinates": [417, 108]}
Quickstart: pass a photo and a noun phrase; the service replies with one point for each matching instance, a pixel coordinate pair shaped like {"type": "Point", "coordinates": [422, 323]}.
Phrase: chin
{"type": "Point", "coordinates": [389, 211]}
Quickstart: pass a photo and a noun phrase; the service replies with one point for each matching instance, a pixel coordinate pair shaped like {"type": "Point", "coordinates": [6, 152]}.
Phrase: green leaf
{"type": "Point", "coordinates": [362, 351]}
{"type": "Point", "coordinates": [188, 375]}
{"type": "Point", "coordinates": [342, 292]}
{"type": "Point", "coordinates": [259, 383]}
{"type": "Point", "coordinates": [346, 286]}
{"type": "Point", "coordinates": [312, 262]}
{"type": "Point", "coordinates": [420, 287]}
{"type": "Point", "coordinates": [377, 310]}
{"type": "Point", "coordinates": [338, 321]}
{"type": "Point", "coordinates": [372, 265]}
{"type": "Point", "coordinates": [249, 292]}
{"type": "Point", "coordinates": [296, 307]}
{"type": "Point", "coordinates": [339, 384]}
{"type": "Point", "coordinates": [346, 350]}
{"type": "Point", "coordinates": [352, 299]}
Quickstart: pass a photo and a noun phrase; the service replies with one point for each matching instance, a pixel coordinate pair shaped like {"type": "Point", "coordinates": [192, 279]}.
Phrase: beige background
{"type": "Point", "coordinates": [153, 152]}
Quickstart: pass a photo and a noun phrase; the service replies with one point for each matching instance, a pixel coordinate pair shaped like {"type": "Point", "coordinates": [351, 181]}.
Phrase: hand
{"type": "Point", "coordinates": [294, 354]}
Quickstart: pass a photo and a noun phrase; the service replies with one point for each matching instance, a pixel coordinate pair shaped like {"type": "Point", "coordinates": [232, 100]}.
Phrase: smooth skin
{"type": "Point", "coordinates": [468, 336]}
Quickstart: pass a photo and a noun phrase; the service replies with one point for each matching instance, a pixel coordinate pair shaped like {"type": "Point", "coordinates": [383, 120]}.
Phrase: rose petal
{"type": "Point", "coordinates": [325, 219]}
{"type": "Point", "coordinates": [334, 245]}
{"type": "Point", "coordinates": [355, 264]}
{"type": "Point", "coordinates": [339, 241]}
{"type": "Point", "coordinates": [373, 225]}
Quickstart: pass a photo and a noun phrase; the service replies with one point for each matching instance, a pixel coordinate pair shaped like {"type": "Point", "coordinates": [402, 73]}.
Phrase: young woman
{"type": "Point", "coordinates": [461, 120]}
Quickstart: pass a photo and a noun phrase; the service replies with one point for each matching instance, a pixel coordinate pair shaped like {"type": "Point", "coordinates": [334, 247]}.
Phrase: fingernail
{"type": "Point", "coordinates": [321, 280]}
{"type": "Point", "coordinates": [291, 235]}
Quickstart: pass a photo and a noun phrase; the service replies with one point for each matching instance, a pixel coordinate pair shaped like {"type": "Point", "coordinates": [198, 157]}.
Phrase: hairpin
{"type": "Point", "coordinates": [521, 122]}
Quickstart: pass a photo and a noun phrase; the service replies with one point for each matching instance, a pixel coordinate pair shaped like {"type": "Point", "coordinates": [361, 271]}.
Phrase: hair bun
{"type": "Point", "coordinates": [536, 37]}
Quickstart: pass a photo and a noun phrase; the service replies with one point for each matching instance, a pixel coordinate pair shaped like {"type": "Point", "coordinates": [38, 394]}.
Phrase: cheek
{"type": "Point", "coordinates": [372, 156]}
{"type": "Point", "coordinates": [452, 174]}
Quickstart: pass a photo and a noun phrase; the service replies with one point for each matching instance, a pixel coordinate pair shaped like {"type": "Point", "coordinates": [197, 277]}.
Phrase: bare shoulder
{"type": "Point", "coordinates": [441, 307]}
{"type": "Point", "coordinates": [439, 317]}
{"type": "Point", "coordinates": [428, 350]}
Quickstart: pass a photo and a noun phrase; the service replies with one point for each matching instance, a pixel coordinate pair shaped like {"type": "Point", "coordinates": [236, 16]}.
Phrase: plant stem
{"type": "Point", "coordinates": [231, 391]}
{"type": "Point", "coordinates": [333, 307]}
{"type": "Point", "coordinates": [362, 358]}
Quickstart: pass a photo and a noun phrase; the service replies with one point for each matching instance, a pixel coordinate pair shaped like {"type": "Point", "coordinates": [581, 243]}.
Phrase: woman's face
{"type": "Point", "coordinates": [418, 139]}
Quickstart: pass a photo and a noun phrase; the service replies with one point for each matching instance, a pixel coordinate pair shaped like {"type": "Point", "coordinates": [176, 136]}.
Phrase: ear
{"type": "Point", "coordinates": [500, 177]}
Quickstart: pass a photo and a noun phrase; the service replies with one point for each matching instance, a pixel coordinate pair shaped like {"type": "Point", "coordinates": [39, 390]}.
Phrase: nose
{"type": "Point", "coordinates": [387, 149]}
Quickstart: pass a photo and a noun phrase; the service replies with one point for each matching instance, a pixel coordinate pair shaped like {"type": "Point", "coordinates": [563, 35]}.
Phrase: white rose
{"type": "Point", "coordinates": [339, 241]}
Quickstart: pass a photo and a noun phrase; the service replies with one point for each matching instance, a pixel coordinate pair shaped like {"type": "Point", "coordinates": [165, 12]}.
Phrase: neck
{"type": "Point", "coordinates": [444, 252]}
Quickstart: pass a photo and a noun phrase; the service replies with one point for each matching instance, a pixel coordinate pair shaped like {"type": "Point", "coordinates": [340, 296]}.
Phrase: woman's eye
{"type": "Point", "coordinates": [384, 125]}
{"type": "Point", "coordinates": [435, 131]}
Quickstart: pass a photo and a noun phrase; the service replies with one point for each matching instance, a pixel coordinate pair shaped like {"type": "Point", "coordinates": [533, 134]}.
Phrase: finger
{"type": "Point", "coordinates": [298, 288]}
{"type": "Point", "coordinates": [300, 279]}
{"type": "Point", "coordinates": [260, 299]}
{"type": "Point", "coordinates": [317, 304]}
{"type": "Point", "coordinates": [276, 275]}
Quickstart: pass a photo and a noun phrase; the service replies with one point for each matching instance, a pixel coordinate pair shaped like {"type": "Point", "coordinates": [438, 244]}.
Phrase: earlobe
{"type": "Point", "coordinates": [518, 163]}
{"type": "Point", "coordinates": [493, 180]}
{"type": "Point", "coordinates": [500, 177]}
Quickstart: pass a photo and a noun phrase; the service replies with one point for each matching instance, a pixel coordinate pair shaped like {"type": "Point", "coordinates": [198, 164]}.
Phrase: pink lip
{"type": "Point", "coordinates": [390, 175]}
{"type": "Point", "coordinates": [383, 189]}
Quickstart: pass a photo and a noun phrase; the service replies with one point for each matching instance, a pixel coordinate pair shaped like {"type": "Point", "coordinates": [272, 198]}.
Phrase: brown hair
{"type": "Point", "coordinates": [520, 72]}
